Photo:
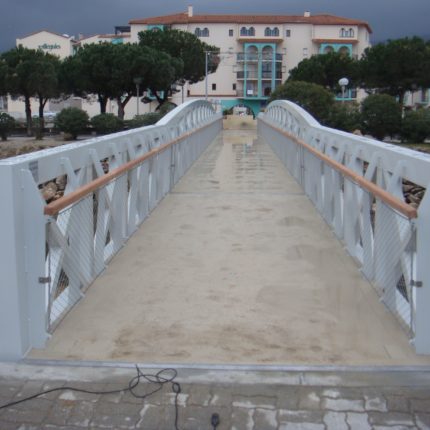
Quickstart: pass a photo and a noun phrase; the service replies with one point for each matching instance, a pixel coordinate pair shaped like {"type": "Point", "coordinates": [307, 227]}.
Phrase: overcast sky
{"type": "Point", "coordinates": [388, 18]}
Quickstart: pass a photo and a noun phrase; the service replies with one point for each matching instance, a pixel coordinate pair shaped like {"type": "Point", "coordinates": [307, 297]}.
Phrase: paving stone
{"type": "Point", "coordinates": [9, 389]}
{"type": "Point", "coordinates": [265, 419]}
{"type": "Point", "coordinates": [13, 426]}
{"type": "Point", "coordinates": [343, 393]}
{"type": "Point", "coordinates": [24, 416]}
{"type": "Point", "coordinates": [343, 405]}
{"type": "Point", "coordinates": [423, 420]}
{"type": "Point", "coordinates": [420, 405]}
{"type": "Point", "coordinates": [393, 427]}
{"type": "Point", "coordinates": [375, 403]}
{"type": "Point", "coordinates": [357, 421]}
{"type": "Point", "coordinates": [335, 420]}
{"type": "Point", "coordinates": [114, 421]}
{"type": "Point", "coordinates": [252, 402]}
{"type": "Point", "coordinates": [114, 397]}
{"type": "Point", "coordinates": [153, 417]}
{"type": "Point", "coordinates": [81, 414]}
{"type": "Point", "coordinates": [286, 416]}
{"type": "Point", "coordinates": [309, 398]}
{"type": "Point", "coordinates": [301, 426]}
{"type": "Point", "coordinates": [59, 414]}
{"type": "Point", "coordinates": [194, 417]}
{"type": "Point", "coordinates": [55, 427]}
{"type": "Point", "coordinates": [30, 388]}
{"type": "Point", "coordinates": [50, 386]}
{"type": "Point", "coordinates": [221, 396]}
{"type": "Point", "coordinates": [397, 404]}
{"type": "Point", "coordinates": [28, 427]}
{"type": "Point", "coordinates": [200, 395]}
{"type": "Point", "coordinates": [288, 397]}
{"type": "Point", "coordinates": [102, 408]}
{"type": "Point", "coordinates": [390, 419]}
{"type": "Point", "coordinates": [242, 419]}
{"type": "Point", "coordinates": [81, 396]}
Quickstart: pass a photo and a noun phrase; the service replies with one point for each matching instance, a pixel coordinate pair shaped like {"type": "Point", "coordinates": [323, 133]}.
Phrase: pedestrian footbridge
{"type": "Point", "coordinates": [279, 243]}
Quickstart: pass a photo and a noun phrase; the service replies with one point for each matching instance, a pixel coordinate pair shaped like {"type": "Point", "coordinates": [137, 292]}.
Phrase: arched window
{"type": "Point", "coordinates": [344, 51]}
{"type": "Point", "coordinates": [243, 31]}
{"type": "Point", "coordinates": [351, 32]}
{"type": "Point", "coordinates": [267, 31]}
{"type": "Point", "coordinates": [328, 49]}
{"type": "Point", "coordinates": [198, 32]}
{"type": "Point", "coordinates": [251, 31]}
{"type": "Point", "coordinates": [205, 32]}
{"type": "Point", "coordinates": [342, 32]}
{"type": "Point", "coordinates": [275, 32]}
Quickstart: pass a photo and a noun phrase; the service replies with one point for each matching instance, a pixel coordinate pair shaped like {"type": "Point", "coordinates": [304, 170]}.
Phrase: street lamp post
{"type": "Point", "coordinates": [343, 82]}
{"type": "Point", "coordinates": [137, 81]}
{"type": "Point", "coordinates": [206, 74]}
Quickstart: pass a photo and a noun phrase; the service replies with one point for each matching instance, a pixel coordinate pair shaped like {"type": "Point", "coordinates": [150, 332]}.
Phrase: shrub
{"type": "Point", "coordinates": [144, 120]}
{"type": "Point", "coordinates": [72, 121]}
{"type": "Point", "coordinates": [381, 115]}
{"type": "Point", "coordinates": [312, 97]}
{"type": "Point", "coordinates": [166, 108]}
{"type": "Point", "coordinates": [106, 123]}
{"type": "Point", "coordinates": [7, 124]}
{"type": "Point", "coordinates": [345, 116]}
{"type": "Point", "coordinates": [416, 126]}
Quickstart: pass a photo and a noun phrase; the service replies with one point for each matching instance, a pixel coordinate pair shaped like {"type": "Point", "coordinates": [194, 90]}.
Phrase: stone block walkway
{"type": "Point", "coordinates": [244, 400]}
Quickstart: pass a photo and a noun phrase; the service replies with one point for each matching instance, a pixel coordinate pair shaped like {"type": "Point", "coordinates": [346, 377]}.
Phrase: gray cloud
{"type": "Point", "coordinates": [388, 18]}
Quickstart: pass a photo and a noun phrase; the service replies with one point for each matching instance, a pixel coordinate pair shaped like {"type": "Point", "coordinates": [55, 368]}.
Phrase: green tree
{"type": "Point", "coordinates": [312, 97]}
{"type": "Point", "coordinates": [18, 67]}
{"type": "Point", "coordinates": [326, 70]}
{"type": "Point", "coordinates": [106, 123]}
{"type": "Point", "coordinates": [188, 50]}
{"type": "Point", "coordinates": [345, 116]}
{"type": "Point", "coordinates": [44, 80]}
{"type": "Point", "coordinates": [72, 121]}
{"type": "Point", "coordinates": [381, 115]}
{"type": "Point", "coordinates": [7, 124]}
{"type": "Point", "coordinates": [396, 67]}
{"type": "Point", "coordinates": [416, 126]}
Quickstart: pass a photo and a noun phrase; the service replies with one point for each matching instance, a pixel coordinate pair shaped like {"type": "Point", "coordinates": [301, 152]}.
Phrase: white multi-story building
{"type": "Point", "coordinates": [257, 52]}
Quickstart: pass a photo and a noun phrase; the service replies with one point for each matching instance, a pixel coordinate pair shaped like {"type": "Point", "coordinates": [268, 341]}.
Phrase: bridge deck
{"type": "Point", "coordinates": [234, 266]}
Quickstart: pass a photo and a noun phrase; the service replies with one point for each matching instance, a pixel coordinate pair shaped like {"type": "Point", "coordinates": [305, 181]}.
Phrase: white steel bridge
{"type": "Point", "coordinates": [230, 259]}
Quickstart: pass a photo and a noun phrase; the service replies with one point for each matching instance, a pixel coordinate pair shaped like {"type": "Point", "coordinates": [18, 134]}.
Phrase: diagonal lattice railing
{"type": "Point", "coordinates": [356, 184]}
{"type": "Point", "coordinates": [51, 253]}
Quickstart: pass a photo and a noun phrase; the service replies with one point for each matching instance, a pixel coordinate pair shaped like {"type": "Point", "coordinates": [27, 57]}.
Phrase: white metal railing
{"type": "Point", "coordinates": [50, 254]}
{"type": "Point", "coordinates": [356, 183]}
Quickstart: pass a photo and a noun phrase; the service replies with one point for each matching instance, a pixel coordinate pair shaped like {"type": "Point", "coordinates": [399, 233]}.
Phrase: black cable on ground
{"type": "Point", "coordinates": [161, 378]}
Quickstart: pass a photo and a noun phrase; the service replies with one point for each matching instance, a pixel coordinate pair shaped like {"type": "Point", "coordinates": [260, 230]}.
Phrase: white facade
{"type": "Point", "coordinates": [257, 52]}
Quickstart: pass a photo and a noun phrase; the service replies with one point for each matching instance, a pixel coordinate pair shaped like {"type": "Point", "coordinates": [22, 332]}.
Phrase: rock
{"type": "Point", "coordinates": [49, 191]}
{"type": "Point", "coordinates": [61, 182]}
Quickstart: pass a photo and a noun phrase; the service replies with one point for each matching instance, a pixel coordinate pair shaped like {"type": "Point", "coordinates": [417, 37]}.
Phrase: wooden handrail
{"type": "Point", "coordinates": [56, 206]}
{"type": "Point", "coordinates": [383, 195]}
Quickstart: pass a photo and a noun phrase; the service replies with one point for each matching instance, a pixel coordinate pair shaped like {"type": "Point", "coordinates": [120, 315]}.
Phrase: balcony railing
{"type": "Point", "coordinates": [256, 57]}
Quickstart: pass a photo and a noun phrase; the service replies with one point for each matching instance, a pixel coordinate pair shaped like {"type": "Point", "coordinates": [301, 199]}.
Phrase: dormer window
{"type": "Point", "coordinates": [271, 32]}
{"type": "Point", "coordinates": [346, 32]}
{"type": "Point", "coordinates": [201, 32]}
{"type": "Point", "coordinates": [247, 31]}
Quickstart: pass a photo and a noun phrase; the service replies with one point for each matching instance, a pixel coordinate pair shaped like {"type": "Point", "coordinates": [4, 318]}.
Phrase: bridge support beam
{"type": "Point", "coordinates": [422, 293]}
{"type": "Point", "coordinates": [22, 262]}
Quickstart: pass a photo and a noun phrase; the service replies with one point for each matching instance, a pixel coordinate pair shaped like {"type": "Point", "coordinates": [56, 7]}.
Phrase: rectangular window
{"type": "Point", "coordinates": [305, 52]}
{"type": "Point", "coordinates": [230, 32]}
{"type": "Point", "coordinates": [213, 87]}
{"type": "Point", "coordinates": [234, 87]}
{"type": "Point", "coordinates": [288, 33]}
